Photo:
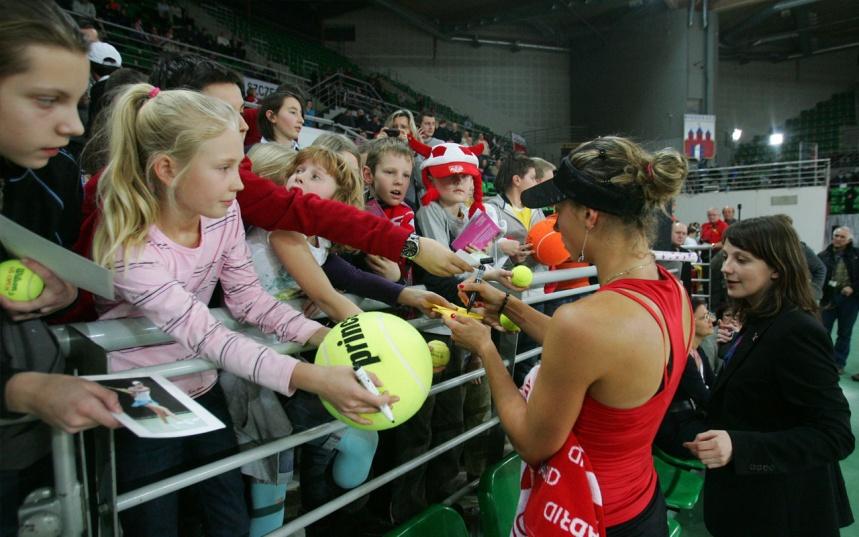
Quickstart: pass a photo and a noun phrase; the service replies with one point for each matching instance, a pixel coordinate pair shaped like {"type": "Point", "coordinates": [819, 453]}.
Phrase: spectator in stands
{"type": "Point", "coordinates": [442, 132]}
{"type": "Point", "coordinates": [516, 175]}
{"type": "Point", "coordinates": [43, 73]}
{"type": "Point", "coordinates": [310, 113]}
{"type": "Point", "coordinates": [840, 302]}
{"type": "Point", "coordinates": [251, 96]}
{"type": "Point", "coordinates": [713, 229]}
{"type": "Point", "coordinates": [344, 147]}
{"type": "Point", "coordinates": [728, 215]}
{"type": "Point", "coordinates": [692, 234]}
{"type": "Point", "coordinates": [404, 121]}
{"type": "Point", "coordinates": [685, 417]}
{"type": "Point", "coordinates": [481, 139]}
{"type": "Point", "coordinates": [426, 129]}
{"type": "Point", "coordinates": [680, 269]}
{"type": "Point", "coordinates": [610, 400]}
{"type": "Point", "coordinates": [271, 207]}
{"type": "Point", "coordinates": [544, 169]}
{"type": "Point", "coordinates": [84, 7]}
{"type": "Point", "coordinates": [104, 59]}
{"type": "Point", "coordinates": [186, 147]}
{"type": "Point", "coordinates": [387, 174]}
{"type": "Point", "coordinates": [466, 138]}
{"type": "Point", "coordinates": [281, 116]}
{"type": "Point", "coordinates": [779, 422]}
{"type": "Point", "coordinates": [89, 31]}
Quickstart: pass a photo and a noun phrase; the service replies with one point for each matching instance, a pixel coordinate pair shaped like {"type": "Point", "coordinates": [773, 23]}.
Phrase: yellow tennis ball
{"type": "Point", "coordinates": [522, 276]}
{"type": "Point", "coordinates": [19, 283]}
{"type": "Point", "coordinates": [507, 324]}
{"type": "Point", "coordinates": [389, 347]}
{"type": "Point", "coordinates": [440, 353]}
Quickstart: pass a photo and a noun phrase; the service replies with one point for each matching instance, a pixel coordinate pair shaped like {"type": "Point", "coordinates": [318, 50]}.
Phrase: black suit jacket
{"type": "Point", "coordinates": [789, 424]}
{"type": "Point", "coordinates": [679, 426]}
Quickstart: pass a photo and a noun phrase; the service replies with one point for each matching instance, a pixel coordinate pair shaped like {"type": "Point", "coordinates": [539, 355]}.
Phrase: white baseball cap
{"type": "Point", "coordinates": [104, 54]}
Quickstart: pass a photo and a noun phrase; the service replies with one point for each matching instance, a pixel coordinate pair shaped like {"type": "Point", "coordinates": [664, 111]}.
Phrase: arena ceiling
{"type": "Point", "coordinates": [750, 30]}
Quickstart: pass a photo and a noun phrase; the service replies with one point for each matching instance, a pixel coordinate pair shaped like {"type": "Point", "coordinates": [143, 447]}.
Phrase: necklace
{"type": "Point", "coordinates": [617, 275]}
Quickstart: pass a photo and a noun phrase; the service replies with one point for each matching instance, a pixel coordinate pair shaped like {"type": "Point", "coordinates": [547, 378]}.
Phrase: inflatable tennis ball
{"type": "Point", "coordinates": [507, 324]}
{"type": "Point", "coordinates": [522, 276]}
{"type": "Point", "coordinates": [19, 283]}
{"type": "Point", "coordinates": [547, 243]}
{"type": "Point", "coordinates": [389, 347]}
{"type": "Point", "coordinates": [440, 353]}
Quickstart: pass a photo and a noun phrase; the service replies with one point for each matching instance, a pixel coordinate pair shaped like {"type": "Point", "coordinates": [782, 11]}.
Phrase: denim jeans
{"type": "Point", "coordinates": [140, 461]}
{"type": "Point", "coordinates": [843, 309]}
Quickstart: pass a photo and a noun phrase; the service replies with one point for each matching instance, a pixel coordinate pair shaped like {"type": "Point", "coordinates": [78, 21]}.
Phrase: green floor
{"type": "Point", "coordinates": [692, 522]}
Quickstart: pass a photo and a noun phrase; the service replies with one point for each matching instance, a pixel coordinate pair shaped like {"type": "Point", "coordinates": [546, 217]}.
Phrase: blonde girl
{"type": "Point", "coordinates": [291, 265]}
{"type": "Point", "coordinates": [170, 230]}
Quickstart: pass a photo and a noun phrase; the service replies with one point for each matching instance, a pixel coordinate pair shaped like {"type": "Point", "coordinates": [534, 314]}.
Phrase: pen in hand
{"type": "Point", "coordinates": [365, 379]}
{"type": "Point", "coordinates": [472, 296]}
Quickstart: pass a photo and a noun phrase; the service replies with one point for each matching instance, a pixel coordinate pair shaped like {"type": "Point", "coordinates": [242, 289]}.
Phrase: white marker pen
{"type": "Point", "coordinates": [368, 383]}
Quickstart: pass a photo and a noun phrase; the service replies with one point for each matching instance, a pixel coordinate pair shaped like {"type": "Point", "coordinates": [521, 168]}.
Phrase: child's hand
{"type": "Point", "coordinates": [349, 397]}
{"type": "Point", "coordinates": [509, 247]}
{"type": "Point", "coordinates": [384, 267]}
{"type": "Point", "coordinates": [423, 300]}
{"type": "Point", "coordinates": [437, 259]}
{"type": "Point", "coordinates": [310, 309]}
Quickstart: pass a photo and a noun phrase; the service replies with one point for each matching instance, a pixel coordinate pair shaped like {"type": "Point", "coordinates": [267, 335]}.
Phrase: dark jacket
{"type": "Point", "coordinates": [789, 424]}
{"type": "Point", "coordinates": [47, 202]}
{"type": "Point", "coordinates": [685, 417]}
{"type": "Point", "coordinates": [830, 258]}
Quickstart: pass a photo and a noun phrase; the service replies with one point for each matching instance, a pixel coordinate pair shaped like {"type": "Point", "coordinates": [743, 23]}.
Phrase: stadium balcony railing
{"type": "Point", "coordinates": [74, 508]}
{"type": "Point", "coordinates": [795, 174]}
{"type": "Point", "coordinates": [142, 50]}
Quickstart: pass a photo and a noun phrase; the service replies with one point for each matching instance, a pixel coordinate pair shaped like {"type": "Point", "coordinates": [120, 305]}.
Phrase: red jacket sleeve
{"type": "Point", "coordinates": [269, 206]}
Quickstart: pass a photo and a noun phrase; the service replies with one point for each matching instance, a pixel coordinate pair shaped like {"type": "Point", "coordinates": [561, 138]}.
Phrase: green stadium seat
{"type": "Point", "coordinates": [498, 496]}
{"type": "Point", "coordinates": [686, 464]}
{"type": "Point", "coordinates": [436, 521]}
{"type": "Point", "coordinates": [681, 488]}
{"type": "Point", "coordinates": [674, 529]}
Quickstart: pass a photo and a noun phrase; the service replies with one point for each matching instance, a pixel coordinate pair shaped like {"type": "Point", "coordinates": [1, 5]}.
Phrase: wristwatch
{"type": "Point", "coordinates": [412, 247]}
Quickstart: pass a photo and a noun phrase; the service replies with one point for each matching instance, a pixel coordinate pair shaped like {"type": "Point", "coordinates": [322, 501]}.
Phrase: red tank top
{"type": "Point", "coordinates": [618, 441]}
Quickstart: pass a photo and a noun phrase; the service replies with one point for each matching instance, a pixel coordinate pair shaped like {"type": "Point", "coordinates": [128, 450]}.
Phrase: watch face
{"type": "Point", "coordinates": [410, 248]}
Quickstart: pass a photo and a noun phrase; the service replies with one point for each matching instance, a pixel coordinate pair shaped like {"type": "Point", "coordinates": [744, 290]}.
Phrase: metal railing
{"type": "Point", "coordinates": [797, 174]}
{"type": "Point", "coordinates": [69, 504]}
{"type": "Point", "coordinates": [142, 49]}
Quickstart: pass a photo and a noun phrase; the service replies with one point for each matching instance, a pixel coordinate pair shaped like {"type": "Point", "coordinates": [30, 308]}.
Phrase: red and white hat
{"type": "Point", "coordinates": [448, 159]}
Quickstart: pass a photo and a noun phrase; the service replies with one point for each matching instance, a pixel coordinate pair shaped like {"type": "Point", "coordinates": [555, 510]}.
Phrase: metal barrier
{"type": "Point", "coordinates": [801, 173]}
{"type": "Point", "coordinates": [70, 502]}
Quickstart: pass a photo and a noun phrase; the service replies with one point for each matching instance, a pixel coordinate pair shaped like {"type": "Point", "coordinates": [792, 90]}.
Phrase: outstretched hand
{"type": "Point", "coordinates": [70, 403]}
{"type": "Point", "coordinates": [437, 259]}
{"type": "Point", "coordinates": [423, 300]}
{"type": "Point", "coordinates": [345, 393]}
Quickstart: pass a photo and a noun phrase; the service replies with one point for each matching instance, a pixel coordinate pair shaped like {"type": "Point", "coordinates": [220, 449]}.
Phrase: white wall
{"type": "Point", "coordinates": [496, 87]}
{"type": "Point", "coordinates": [757, 96]}
{"type": "Point", "coordinates": [808, 213]}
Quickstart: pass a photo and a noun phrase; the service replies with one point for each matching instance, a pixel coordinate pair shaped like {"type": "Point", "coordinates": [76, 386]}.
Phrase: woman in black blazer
{"type": "Point", "coordinates": [779, 421]}
{"type": "Point", "coordinates": [685, 417]}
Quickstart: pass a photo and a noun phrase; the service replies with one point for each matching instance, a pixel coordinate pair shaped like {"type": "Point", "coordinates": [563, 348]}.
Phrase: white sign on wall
{"type": "Point", "coordinates": [699, 136]}
{"type": "Point", "coordinates": [263, 88]}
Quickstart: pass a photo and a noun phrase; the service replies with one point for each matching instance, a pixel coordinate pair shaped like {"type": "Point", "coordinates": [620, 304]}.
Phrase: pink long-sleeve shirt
{"type": "Point", "coordinates": [171, 285]}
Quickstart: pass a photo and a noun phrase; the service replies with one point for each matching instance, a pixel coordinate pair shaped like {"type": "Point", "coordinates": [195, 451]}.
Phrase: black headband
{"type": "Point", "coordinates": [571, 183]}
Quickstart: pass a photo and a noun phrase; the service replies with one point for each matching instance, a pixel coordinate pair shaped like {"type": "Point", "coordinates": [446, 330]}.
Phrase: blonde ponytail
{"type": "Point", "coordinates": [145, 124]}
